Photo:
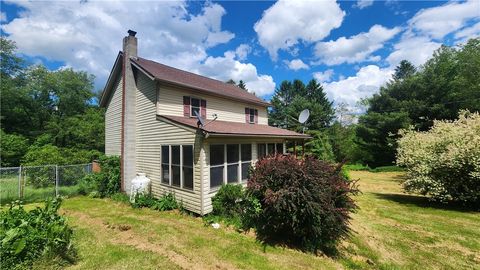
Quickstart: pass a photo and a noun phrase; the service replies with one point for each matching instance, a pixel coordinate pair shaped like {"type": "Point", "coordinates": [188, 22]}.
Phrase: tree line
{"type": "Point", "coordinates": [414, 97]}
{"type": "Point", "coordinates": [47, 117]}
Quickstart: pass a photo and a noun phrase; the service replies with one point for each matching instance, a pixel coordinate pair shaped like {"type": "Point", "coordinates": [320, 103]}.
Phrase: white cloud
{"type": "Point", "coordinates": [356, 48]}
{"type": "Point", "coordinates": [437, 22]}
{"type": "Point", "coordinates": [364, 84]}
{"type": "Point", "coordinates": [325, 76]}
{"type": "Point", "coordinates": [468, 32]}
{"type": "Point", "coordinates": [414, 49]}
{"type": "Point", "coordinates": [87, 35]}
{"type": "Point", "coordinates": [3, 16]}
{"type": "Point", "coordinates": [296, 64]}
{"type": "Point", "coordinates": [286, 23]}
{"type": "Point", "coordinates": [228, 67]}
{"type": "Point", "coordinates": [361, 4]}
{"type": "Point", "coordinates": [242, 51]}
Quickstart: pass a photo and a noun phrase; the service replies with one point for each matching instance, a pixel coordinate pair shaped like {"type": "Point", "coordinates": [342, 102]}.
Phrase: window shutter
{"type": "Point", "coordinates": [203, 109]}
{"type": "Point", "coordinates": [247, 115]}
{"type": "Point", "coordinates": [256, 116]}
{"type": "Point", "coordinates": [186, 106]}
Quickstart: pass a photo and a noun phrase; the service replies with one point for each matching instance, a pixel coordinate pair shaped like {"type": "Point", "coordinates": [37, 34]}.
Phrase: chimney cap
{"type": "Point", "coordinates": [131, 33]}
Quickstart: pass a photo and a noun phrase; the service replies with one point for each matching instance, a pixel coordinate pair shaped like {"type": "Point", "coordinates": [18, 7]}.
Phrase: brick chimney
{"type": "Point", "coordinates": [128, 162]}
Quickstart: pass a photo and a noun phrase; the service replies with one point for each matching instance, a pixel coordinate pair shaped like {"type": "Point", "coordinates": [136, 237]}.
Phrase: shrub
{"type": "Point", "coordinates": [26, 236]}
{"type": "Point", "coordinates": [106, 182]}
{"type": "Point", "coordinates": [304, 203]}
{"type": "Point", "coordinates": [164, 203]}
{"type": "Point", "coordinates": [444, 162]}
{"type": "Point", "coordinates": [13, 147]}
{"type": "Point", "coordinates": [227, 201]}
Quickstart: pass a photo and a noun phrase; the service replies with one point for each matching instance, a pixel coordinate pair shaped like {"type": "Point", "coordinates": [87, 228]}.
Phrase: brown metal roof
{"type": "Point", "coordinates": [225, 128]}
{"type": "Point", "coordinates": [169, 74]}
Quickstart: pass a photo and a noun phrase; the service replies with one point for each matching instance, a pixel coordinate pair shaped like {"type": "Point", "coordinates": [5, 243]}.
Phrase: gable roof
{"type": "Point", "coordinates": [224, 128]}
{"type": "Point", "coordinates": [194, 81]}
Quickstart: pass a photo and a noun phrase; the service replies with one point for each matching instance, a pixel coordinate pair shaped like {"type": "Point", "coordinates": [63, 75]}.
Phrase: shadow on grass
{"type": "Point", "coordinates": [424, 202]}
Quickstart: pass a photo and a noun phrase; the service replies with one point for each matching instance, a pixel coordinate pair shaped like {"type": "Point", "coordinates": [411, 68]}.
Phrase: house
{"type": "Point", "coordinates": [150, 122]}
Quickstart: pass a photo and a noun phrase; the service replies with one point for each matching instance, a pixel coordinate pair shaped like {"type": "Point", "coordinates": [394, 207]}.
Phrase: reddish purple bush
{"type": "Point", "coordinates": [304, 203]}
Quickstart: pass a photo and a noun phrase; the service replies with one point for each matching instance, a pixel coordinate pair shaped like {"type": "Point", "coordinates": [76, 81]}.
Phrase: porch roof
{"type": "Point", "coordinates": [225, 128]}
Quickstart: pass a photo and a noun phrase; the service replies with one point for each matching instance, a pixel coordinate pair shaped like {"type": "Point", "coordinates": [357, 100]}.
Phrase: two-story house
{"type": "Point", "coordinates": [150, 122]}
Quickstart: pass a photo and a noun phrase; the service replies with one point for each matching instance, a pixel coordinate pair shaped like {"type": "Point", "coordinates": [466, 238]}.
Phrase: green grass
{"type": "Point", "coordinates": [391, 230]}
{"type": "Point", "coordinates": [9, 191]}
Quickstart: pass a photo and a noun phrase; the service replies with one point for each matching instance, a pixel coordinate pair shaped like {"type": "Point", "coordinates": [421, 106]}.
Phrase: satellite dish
{"type": "Point", "coordinates": [200, 120]}
{"type": "Point", "coordinates": [303, 117]}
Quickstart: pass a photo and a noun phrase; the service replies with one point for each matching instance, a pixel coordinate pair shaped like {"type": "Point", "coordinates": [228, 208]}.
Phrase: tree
{"type": "Point", "coordinates": [12, 149]}
{"type": "Point", "coordinates": [242, 85]}
{"type": "Point", "coordinates": [230, 81]}
{"type": "Point", "coordinates": [445, 84]}
{"type": "Point", "coordinates": [292, 97]}
{"type": "Point", "coordinates": [404, 70]}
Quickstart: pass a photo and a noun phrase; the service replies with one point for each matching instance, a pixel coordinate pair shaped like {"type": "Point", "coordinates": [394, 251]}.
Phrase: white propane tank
{"type": "Point", "coordinates": [140, 184]}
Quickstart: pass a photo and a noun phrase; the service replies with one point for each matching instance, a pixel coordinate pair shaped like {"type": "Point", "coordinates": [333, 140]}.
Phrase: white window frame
{"type": "Point", "coordinates": [170, 174]}
{"type": "Point", "coordinates": [226, 164]}
{"type": "Point", "coordinates": [251, 115]}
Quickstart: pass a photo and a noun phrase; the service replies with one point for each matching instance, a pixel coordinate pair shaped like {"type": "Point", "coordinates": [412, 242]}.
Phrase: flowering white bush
{"type": "Point", "coordinates": [444, 162]}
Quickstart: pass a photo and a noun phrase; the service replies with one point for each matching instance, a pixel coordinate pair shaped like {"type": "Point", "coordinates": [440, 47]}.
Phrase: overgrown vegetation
{"type": "Point", "coordinates": [164, 203]}
{"type": "Point", "coordinates": [48, 117]}
{"type": "Point", "coordinates": [304, 203]}
{"type": "Point", "coordinates": [444, 162]}
{"type": "Point", "coordinates": [39, 234]}
{"type": "Point", "coordinates": [104, 183]}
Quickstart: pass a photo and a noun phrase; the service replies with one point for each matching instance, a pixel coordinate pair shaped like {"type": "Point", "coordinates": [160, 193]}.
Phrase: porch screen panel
{"type": "Point", "coordinates": [187, 151]}
{"type": "Point", "coordinates": [175, 165]}
{"type": "Point", "coordinates": [261, 150]}
{"type": "Point", "coordinates": [271, 148]}
{"type": "Point", "coordinates": [165, 164]}
{"type": "Point", "coordinates": [217, 160]}
{"type": "Point", "coordinates": [232, 163]}
{"type": "Point", "coordinates": [246, 160]}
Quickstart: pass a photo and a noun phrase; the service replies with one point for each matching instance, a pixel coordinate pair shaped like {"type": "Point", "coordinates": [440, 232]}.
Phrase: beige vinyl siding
{"type": "Point", "coordinates": [151, 133]}
{"type": "Point", "coordinates": [113, 121]}
{"type": "Point", "coordinates": [209, 193]}
{"type": "Point", "coordinates": [170, 102]}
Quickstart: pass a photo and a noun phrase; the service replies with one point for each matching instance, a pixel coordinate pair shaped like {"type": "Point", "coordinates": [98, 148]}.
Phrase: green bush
{"type": "Point", "coordinates": [104, 183]}
{"type": "Point", "coordinates": [12, 148]}
{"type": "Point", "coordinates": [444, 162]}
{"type": "Point", "coordinates": [164, 203]}
{"type": "Point", "coordinates": [27, 236]}
{"type": "Point", "coordinates": [304, 203]}
{"type": "Point", "coordinates": [228, 201]}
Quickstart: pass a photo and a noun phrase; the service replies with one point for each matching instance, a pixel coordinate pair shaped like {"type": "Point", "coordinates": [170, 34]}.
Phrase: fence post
{"type": "Point", "coordinates": [20, 182]}
{"type": "Point", "coordinates": [56, 180]}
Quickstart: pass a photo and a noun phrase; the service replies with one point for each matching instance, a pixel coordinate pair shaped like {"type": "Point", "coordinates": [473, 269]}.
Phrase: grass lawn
{"type": "Point", "coordinates": [392, 230]}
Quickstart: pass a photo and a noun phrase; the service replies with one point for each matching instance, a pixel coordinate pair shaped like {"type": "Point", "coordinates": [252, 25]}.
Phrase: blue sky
{"type": "Point", "coordinates": [351, 47]}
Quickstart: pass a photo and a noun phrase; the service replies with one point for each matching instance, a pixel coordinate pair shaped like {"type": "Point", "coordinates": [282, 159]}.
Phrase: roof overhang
{"type": "Point", "coordinates": [117, 67]}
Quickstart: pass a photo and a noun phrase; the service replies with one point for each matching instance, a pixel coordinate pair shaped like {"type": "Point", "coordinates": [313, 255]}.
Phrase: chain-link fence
{"type": "Point", "coordinates": [36, 183]}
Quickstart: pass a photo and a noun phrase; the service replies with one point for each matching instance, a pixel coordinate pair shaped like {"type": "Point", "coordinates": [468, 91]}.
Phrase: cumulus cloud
{"type": "Point", "coordinates": [228, 67]}
{"type": "Point", "coordinates": [87, 35]}
{"type": "Point", "coordinates": [286, 23]}
{"type": "Point", "coordinates": [356, 48]}
{"type": "Point", "coordinates": [361, 4]}
{"type": "Point", "coordinates": [3, 16]}
{"type": "Point", "coordinates": [468, 32]}
{"type": "Point", "coordinates": [414, 49]}
{"type": "Point", "coordinates": [324, 76]}
{"type": "Point", "coordinates": [296, 64]}
{"type": "Point", "coordinates": [365, 83]}
{"type": "Point", "coordinates": [437, 22]}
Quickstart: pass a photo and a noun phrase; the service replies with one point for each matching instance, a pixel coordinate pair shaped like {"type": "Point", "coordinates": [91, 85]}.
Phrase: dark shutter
{"type": "Point", "coordinates": [203, 109]}
{"type": "Point", "coordinates": [256, 116]}
{"type": "Point", "coordinates": [186, 106]}
{"type": "Point", "coordinates": [247, 115]}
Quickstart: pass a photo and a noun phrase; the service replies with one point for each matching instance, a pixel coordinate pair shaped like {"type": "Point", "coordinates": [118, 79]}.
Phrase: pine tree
{"type": "Point", "coordinates": [242, 85]}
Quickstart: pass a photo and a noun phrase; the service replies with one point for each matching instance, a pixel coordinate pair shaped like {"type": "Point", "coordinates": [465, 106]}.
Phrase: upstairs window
{"type": "Point", "coordinates": [192, 105]}
{"type": "Point", "coordinates": [251, 116]}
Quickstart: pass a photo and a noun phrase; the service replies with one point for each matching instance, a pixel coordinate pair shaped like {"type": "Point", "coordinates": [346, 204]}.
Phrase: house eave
{"type": "Point", "coordinates": [111, 80]}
